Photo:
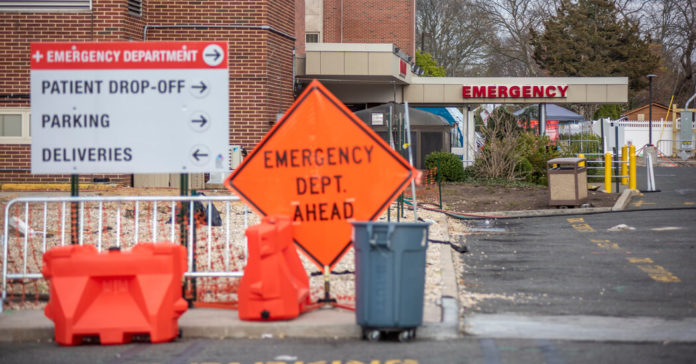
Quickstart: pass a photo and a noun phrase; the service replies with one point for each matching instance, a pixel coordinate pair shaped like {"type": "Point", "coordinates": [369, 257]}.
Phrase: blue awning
{"type": "Point", "coordinates": [447, 113]}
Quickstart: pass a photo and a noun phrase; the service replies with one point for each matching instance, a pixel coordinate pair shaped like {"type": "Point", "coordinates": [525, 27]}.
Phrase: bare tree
{"type": "Point", "coordinates": [452, 33]}
{"type": "Point", "coordinates": [512, 21]}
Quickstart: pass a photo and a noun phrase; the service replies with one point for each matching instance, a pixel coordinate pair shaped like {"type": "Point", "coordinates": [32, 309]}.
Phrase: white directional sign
{"type": "Point", "coordinates": [129, 107]}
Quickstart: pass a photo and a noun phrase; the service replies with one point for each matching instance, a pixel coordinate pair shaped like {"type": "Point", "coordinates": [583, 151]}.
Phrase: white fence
{"type": "Point", "coordinates": [637, 132]}
{"type": "Point", "coordinates": [216, 246]}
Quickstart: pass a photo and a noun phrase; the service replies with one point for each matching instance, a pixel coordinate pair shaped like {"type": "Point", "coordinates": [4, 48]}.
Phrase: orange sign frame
{"type": "Point", "coordinates": [323, 167]}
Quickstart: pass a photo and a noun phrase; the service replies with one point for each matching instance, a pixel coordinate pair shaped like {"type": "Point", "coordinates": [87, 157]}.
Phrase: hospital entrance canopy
{"type": "Point", "coordinates": [380, 73]}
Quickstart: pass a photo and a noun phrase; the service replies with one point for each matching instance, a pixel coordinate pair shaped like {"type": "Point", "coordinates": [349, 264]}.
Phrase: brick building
{"type": "Point", "coordinates": [361, 21]}
{"type": "Point", "coordinates": [659, 112]}
{"type": "Point", "coordinates": [261, 41]}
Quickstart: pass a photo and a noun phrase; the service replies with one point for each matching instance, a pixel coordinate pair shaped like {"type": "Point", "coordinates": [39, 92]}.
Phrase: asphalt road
{"type": "Point", "coordinates": [605, 288]}
{"type": "Point", "coordinates": [278, 351]}
{"type": "Point", "coordinates": [614, 264]}
{"type": "Point", "coordinates": [622, 276]}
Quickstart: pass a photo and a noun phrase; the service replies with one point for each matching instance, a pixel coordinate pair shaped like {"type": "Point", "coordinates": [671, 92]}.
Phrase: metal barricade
{"type": "Point", "coordinates": [215, 241]}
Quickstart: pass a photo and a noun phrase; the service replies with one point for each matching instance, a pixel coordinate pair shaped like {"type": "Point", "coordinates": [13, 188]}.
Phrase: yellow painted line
{"type": "Point", "coordinates": [640, 203]}
{"type": "Point", "coordinates": [640, 260]}
{"type": "Point", "coordinates": [583, 228]}
{"type": "Point", "coordinates": [656, 272]}
{"type": "Point", "coordinates": [575, 219]}
{"type": "Point", "coordinates": [659, 273]}
{"type": "Point", "coordinates": [606, 244]}
{"type": "Point", "coordinates": [689, 203]}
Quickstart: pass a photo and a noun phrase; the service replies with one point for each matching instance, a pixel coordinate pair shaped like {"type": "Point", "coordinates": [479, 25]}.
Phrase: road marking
{"type": "Point", "coordinates": [656, 272]}
{"type": "Point", "coordinates": [576, 224]}
{"type": "Point", "coordinates": [640, 260]}
{"type": "Point", "coordinates": [689, 203]}
{"type": "Point", "coordinates": [666, 228]}
{"type": "Point", "coordinates": [659, 273]}
{"type": "Point", "coordinates": [583, 228]}
{"type": "Point", "coordinates": [640, 203]}
{"type": "Point", "coordinates": [606, 244]}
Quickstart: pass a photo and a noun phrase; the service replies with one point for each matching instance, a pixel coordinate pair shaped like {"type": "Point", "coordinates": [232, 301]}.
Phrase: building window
{"type": "Point", "coordinates": [11, 125]}
{"type": "Point", "coordinates": [15, 126]}
{"type": "Point", "coordinates": [46, 5]}
{"type": "Point", "coordinates": [135, 7]}
{"type": "Point", "coordinates": [311, 37]}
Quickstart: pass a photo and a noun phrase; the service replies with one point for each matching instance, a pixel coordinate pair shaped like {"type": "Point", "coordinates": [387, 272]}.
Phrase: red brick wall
{"type": "Point", "coordinates": [371, 21]}
{"type": "Point", "coordinates": [15, 167]}
{"type": "Point", "coordinates": [260, 59]}
{"type": "Point", "coordinates": [108, 20]}
{"type": "Point", "coordinates": [300, 26]}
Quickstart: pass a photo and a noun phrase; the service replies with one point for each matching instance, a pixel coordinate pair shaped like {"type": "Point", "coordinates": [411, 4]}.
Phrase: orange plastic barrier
{"type": "Point", "coordinates": [275, 285]}
{"type": "Point", "coordinates": [115, 295]}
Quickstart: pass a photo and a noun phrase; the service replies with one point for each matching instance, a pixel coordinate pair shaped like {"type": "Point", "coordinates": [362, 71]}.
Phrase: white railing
{"type": "Point", "coordinates": [216, 245]}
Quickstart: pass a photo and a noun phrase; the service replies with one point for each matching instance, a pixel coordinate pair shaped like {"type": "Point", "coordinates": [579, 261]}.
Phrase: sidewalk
{"type": "Point", "coordinates": [440, 321]}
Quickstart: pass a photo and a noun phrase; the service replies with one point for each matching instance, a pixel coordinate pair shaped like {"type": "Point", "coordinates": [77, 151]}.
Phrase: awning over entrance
{"type": "Point", "coordinates": [379, 73]}
{"type": "Point", "coordinates": [553, 112]}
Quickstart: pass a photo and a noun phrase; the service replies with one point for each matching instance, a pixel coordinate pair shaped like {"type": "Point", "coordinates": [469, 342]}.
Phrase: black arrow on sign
{"type": "Point", "coordinates": [198, 153]}
{"type": "Point", "coordinates": [216, 54]}
{"type": "Point", "coordinates": [202, 121]}
{"type": "Point", "coordinates": [202, 86]}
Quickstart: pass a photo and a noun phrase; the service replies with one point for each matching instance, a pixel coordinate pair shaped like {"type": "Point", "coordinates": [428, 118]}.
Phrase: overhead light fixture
{"type": "Point", "coordinates": [396, 50]}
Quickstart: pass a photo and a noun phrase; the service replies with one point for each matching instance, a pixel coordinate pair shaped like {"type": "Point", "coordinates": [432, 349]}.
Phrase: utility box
{"type": "Point", "coordinates": [686, 132]}
{"type": "Point", "coordinates": [567, 181]}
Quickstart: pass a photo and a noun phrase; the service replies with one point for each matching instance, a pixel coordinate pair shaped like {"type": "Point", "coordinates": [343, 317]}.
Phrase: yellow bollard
{"type": "Point", "coordinates": [632, 183]}
{"type": "Point", "coordinates": [607, 172]}
{"type": "Point", "coordinates": [581, 164]}
{"type": "Point", "coordinates": [624, 165]}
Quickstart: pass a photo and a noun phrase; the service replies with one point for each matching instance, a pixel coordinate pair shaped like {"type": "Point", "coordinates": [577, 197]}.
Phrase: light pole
{"type": "Point", "coordinates": [650, 77]}
{"type": "Point", "coordinates": [423, 35]}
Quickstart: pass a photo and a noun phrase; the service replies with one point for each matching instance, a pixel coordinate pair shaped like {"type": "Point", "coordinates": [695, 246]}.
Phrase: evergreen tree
{"type": "Point", "coordinates": [589, 38]}
{"type": "Point", "coordinates": [429, 65]}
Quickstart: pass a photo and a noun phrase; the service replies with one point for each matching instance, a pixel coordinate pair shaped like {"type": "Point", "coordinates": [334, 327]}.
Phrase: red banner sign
{"type": "Point", "coordinates": [515, 91]}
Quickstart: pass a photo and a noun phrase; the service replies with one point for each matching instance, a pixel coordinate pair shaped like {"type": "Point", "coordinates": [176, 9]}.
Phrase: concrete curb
{"type": "Point", "coordinates": [32, 325]}
{"type": "Point", "coordinates": [624, 199]}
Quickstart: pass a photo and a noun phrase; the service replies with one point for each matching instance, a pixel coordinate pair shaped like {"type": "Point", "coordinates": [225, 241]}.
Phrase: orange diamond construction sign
{"type": "Point", "coordinates": [323, 167]}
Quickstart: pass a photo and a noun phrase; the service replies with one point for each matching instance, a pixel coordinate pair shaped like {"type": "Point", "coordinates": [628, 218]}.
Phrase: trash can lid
{"type": "Point", "coordinates": [568, 160]}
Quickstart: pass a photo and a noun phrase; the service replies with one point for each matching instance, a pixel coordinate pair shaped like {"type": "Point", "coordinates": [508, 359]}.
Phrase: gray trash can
{"type": "Point", "coordinates": [389, 277]}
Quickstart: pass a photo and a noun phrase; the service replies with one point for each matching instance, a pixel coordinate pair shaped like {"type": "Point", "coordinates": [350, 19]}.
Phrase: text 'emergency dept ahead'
{"type": "Point", "coordinates": [129, 107]}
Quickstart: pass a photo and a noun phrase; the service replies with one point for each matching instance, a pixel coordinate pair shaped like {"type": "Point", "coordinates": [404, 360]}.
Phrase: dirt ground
{"type": "Point", "coordinates": [471, 198]}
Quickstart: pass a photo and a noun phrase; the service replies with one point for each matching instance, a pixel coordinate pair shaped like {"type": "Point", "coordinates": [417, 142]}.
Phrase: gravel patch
{"type": "Point", "coordinates": [118, 225]}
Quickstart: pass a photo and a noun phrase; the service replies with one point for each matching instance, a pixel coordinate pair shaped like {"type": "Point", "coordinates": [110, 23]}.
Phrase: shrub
{"type": "Point", "coordinates": [451, 166]}
{"type": "Point", "coordinates": [498, 157]}
{"type": "Point", "coordinates": [534, 152]}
